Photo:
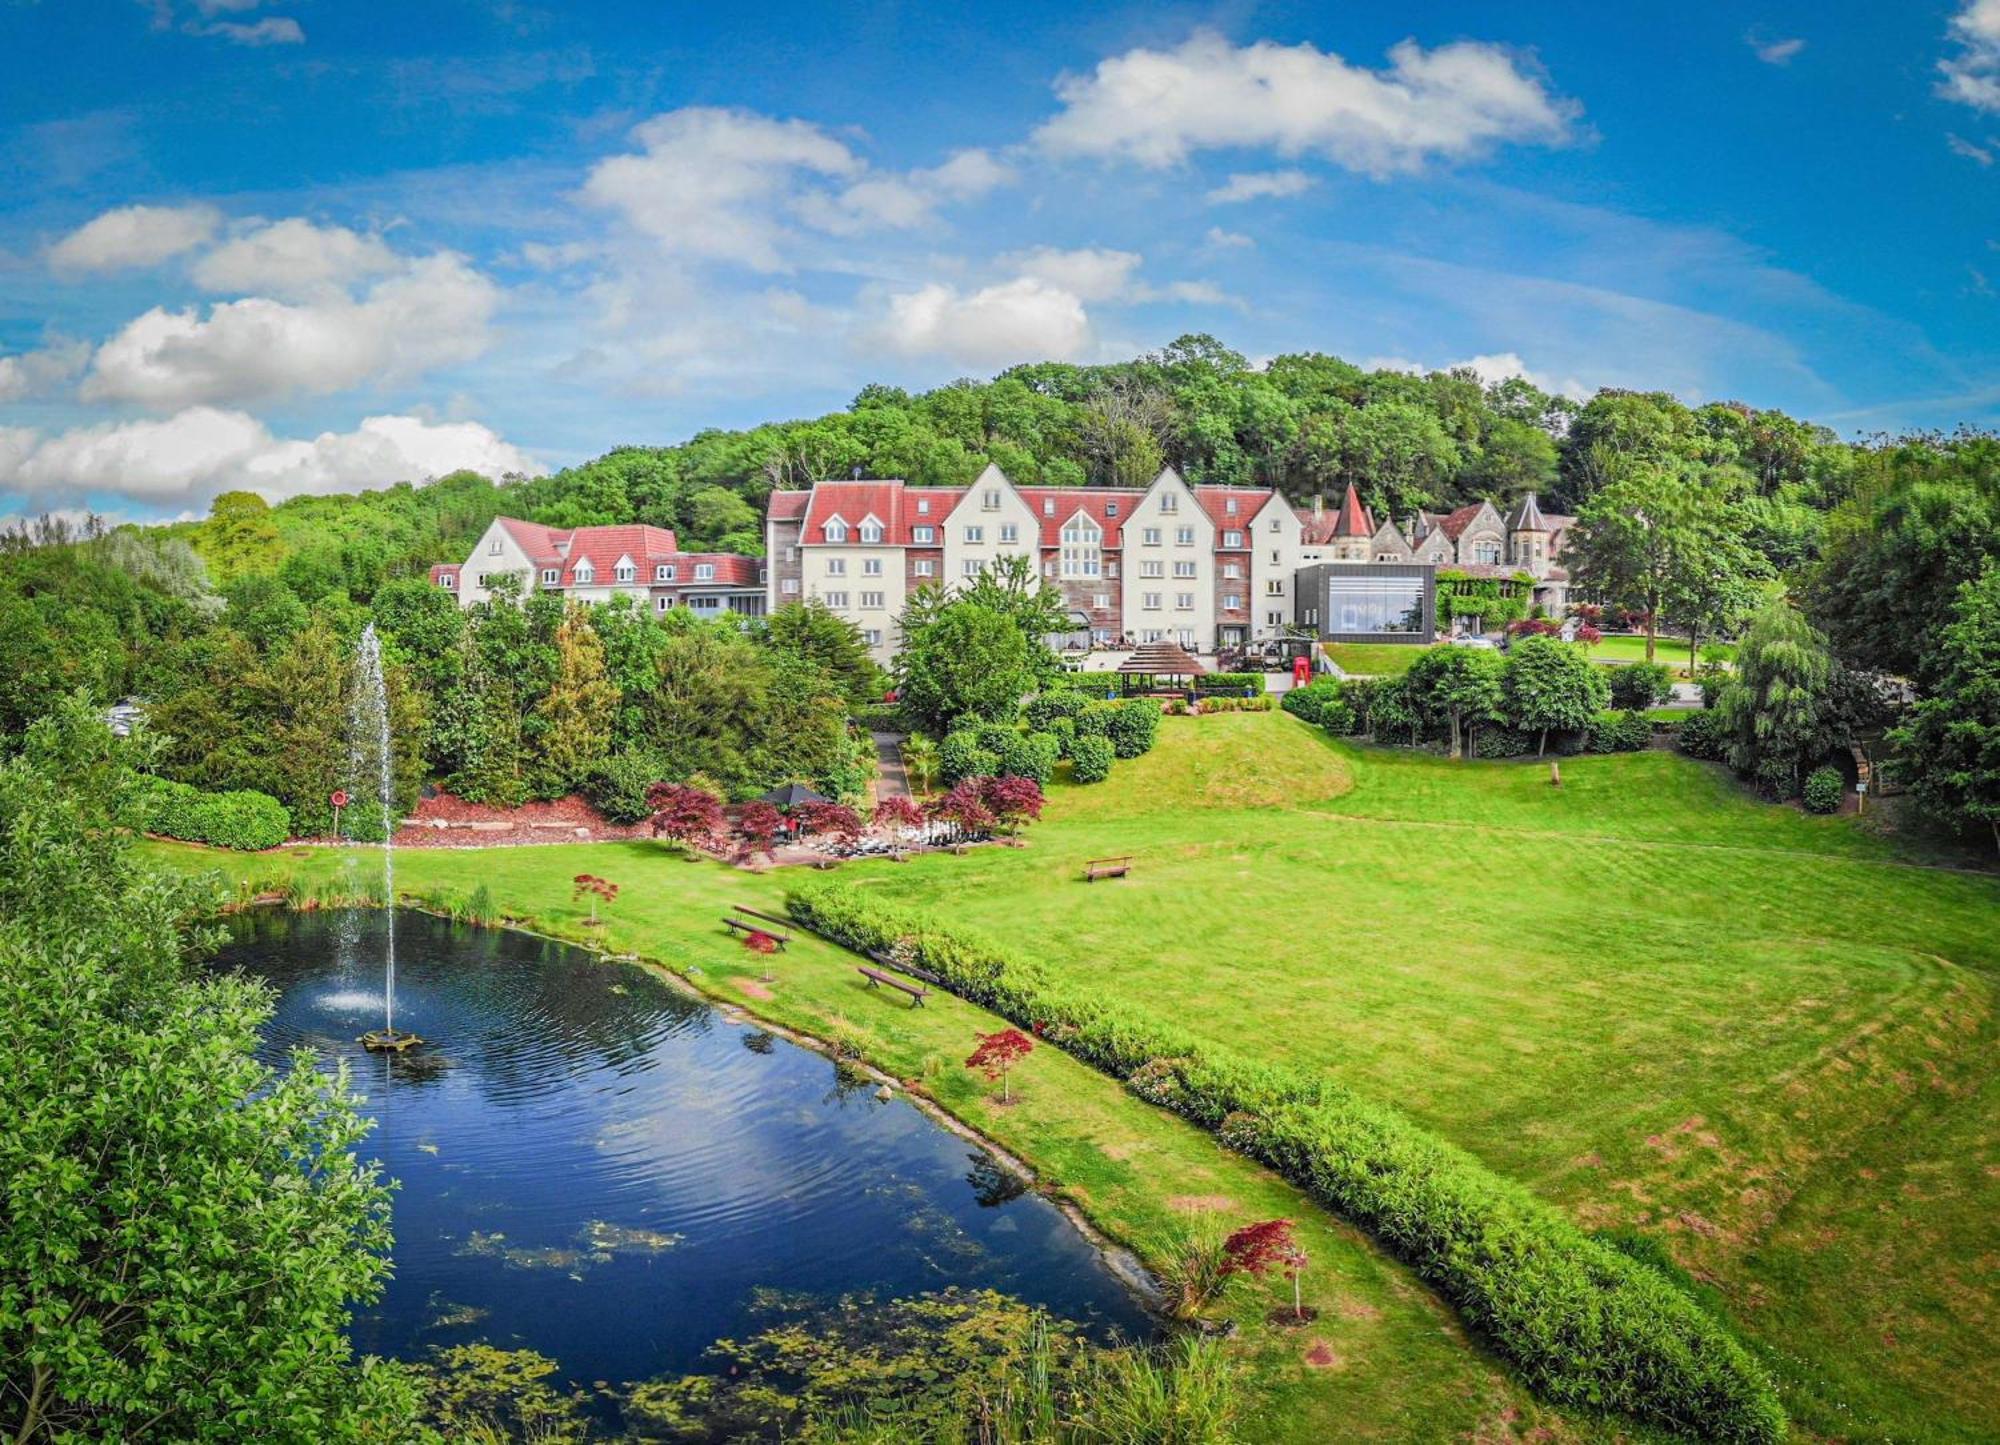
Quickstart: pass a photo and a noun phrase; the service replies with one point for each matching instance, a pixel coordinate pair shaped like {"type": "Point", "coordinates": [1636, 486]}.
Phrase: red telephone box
{"type": "Point", "coordinates": [1302, 671]}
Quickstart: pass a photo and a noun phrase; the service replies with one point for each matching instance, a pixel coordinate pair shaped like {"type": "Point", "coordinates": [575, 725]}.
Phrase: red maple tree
{"type": "Point", "coordinates": [997, 1053]}
{"type": "Point", "coordinates": [837, 820]}
{"type": "Point", "coordinates": [896, 811]}
{"type": "Point", "coordinates": [964, 807]}
{"type": "Point", "coordinates": [762, 825]}
{"type": "Point", "coordinates": [683, 813]}
{"type": "Point", "coordinates": [1011, 800]}
{"type": "Point", "coordinates": [593, 886]}
{"type": "Point", "coordinates": [1257, 1249]}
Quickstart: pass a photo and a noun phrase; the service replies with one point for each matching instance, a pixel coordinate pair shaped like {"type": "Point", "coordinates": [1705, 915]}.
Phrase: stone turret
{"type": "Point", "coordinates": [1528, 536]}
{"type": "Point", "coordinates": [1352, 529]}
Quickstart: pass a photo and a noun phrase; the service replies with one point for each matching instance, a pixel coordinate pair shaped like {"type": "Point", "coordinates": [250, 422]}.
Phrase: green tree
{"type": "Point", "coordinates": [185, 1229]}
{"type": "Point", "coordinates": [968, 661]}
{"type": "Point", "coordinates": [1550, 685]}
{"type": "Point", "coordinates": [1951, 743]}
{"type": "Point", "coordinates": [813, 633]}
{"type": "Point", "coordinates": [577, 711]}
{"type": "Point", "coordinates": [1772, 708]}
{"type": "Point", "coordinates": [1643, 537]}
{"type": "Point", "coordinates": [1459, 686]}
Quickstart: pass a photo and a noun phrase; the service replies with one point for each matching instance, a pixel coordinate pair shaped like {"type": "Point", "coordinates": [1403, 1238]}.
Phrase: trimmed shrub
{"type": "Point", "coordinates": [1499, 742]}
{"type": "Point", "coordinates": [1618, 732]}
{"type": "Point", "coordinates": [617, 786]}
{"type": "Point", "coordinates": [243, 818]}
{"type": "Point", "coordinates": [879, 717]}
{"type": "Point", "coordinates": [1639, 685]}
{"type": "Point", "coordinates": [1028, 755]}
{"type": "Point", "coordinates": [1133, 726]}
{"type": "Point", "coordinates": [1824, 789]}
{"type": "Point", "coordinates": [1090, 759]}
{"type": "Point", "coordinates": [1702, 735]}
{"type": "Point", "coordinates": [1230, 682]}
{"type": "Point", "coordinates": [1313, 701]}
{"type": "Point", "coordinates": [960, 756]}
{"type": "Point", "coordinates": [1583, 1322]}
{"type": "Point", "coordinates": [1224, 702]}
{"type": "Point", "coordinates": [995, 738]}
{"type": "Point", "coordinates": [1063, 730]}
{"type": "Point", "coordinates": [1047, 706]}
{"type": "Point", "coordinates": [1095, 720]}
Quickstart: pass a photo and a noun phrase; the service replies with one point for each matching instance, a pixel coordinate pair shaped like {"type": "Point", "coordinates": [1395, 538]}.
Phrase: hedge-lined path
{"type": "Point", "coordinates": [891, 780]}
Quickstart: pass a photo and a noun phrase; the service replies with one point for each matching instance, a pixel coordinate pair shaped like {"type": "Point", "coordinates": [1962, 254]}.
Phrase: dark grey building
{"type": "Point", "coordinates": [1367, 601]}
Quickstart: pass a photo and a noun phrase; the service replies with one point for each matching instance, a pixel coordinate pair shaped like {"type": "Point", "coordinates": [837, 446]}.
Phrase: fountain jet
{"type": "Point", "coordinates": [371, 760]}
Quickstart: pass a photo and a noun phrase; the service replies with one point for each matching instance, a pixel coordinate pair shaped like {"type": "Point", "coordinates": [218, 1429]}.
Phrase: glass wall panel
{"type": "Point", "coordinates": [1390, 606]}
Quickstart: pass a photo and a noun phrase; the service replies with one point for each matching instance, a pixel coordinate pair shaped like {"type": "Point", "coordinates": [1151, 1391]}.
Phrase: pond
{"type": "Point", "coordinates": [597, 1167]}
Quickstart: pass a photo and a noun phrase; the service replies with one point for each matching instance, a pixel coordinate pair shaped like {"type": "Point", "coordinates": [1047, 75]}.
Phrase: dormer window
{"type": "Point", "coordinates": [924, 536]}
{"type": "Point", "coordinates": [668, 571]}
{"type": "Point", "coordinates": [704, 571]}
{"type": "Point", "coordinates": [923, 506]}
{"type": "Point", "coordinates": [1048, 506]}
{"type": "Point", "coordinates": [1110, 509]}
{"type": "Point", "coordinates": [625, 572]}
{"type": "Point", "coordinates": [835, 530]}
{"type": "Point", "coordinates": [871, 530]}
{"type": "Point", "coordinates": [585, 573]}
{"type": "Point", "coordinates": [551, 576]}
{"type": "Point", "coordinates": [1232, 539]}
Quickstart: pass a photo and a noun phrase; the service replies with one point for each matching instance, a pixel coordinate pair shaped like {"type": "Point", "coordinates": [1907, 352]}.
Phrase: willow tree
{"type": "Point", "coordinates": [1774, 705]}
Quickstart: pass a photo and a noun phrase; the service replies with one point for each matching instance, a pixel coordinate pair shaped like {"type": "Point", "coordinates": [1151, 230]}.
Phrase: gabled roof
{"type": "Point", "coordinates": [1092, 501]}
{"type": "Point", "coordinates": [787, 506]}
{"type": "Point", "coordinates": [602, 547]}
{"type": "Point", "coordinates": [942, 500]}
{"type": "Point", "coordinates": [851, 501]}
{"type": "Point", "coordinates": [731, 570]}
{"type": "Point", "coordinates": [538, 541]}
{"type": "Point", "coordinates": [1453, 523]}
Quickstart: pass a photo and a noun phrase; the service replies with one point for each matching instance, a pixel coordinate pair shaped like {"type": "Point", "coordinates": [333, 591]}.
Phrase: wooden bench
{"type": "Point", "coordinates": [875, 976]}
{"type": "Point", "coordinates": [1097, 868]}
{"type": "Point", "coordinates": [909, 968]}
{"type": "Point", "coordinates": [746, 928]}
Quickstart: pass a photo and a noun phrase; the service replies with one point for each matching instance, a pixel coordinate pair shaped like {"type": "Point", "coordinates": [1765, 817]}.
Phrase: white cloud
{"type": "Point", "coordinates": [189, 457]}
{"type": "Point", "coordinates": [1026, 319]}
{"type": "Point", "coordinates": [1959, 146]}
{"type": "Point", "coordinates": [134, 236]}
{"type": "Point", "coordinates": [433, 313]}
{"type": "Point", "coordinates": [35, 373]}
{"type": "Point", "coordinates": [968, 175]}
{"type": "Point", "coordinates": [1155, 107]}
{"type": "Point", "coordinates": [293, 258]}
{"type": "Point", "coordinates": [1255, 185]}
{"type": "Point", "coordinates": [1092, 274]}
{"type": "Point", "coordinates": [1774, 52]}
{"type": "Point", "coordinates": [710, 183]}
{"type": "Point", "coordinates": [1972, 75]}
{"type": "Point", "coordinates": [271, 30]}
{"type": "Point", "coordinates": [1217, 239]}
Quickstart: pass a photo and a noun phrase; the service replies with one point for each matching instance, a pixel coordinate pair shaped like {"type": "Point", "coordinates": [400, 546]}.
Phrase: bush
{"type": "Point", "coordinates": [1046, 707]}
{"type": "Point", "coordinates": [1639, 685]}
{"type": "Point", "coordinates": [1585, 1324]}
{"type": "Point", "coordinates": [886, 717]}
{"type": "Point", "coordinates": [1618, 732]}
{"type": "Point", "coordinates": [1702, 735]}
{"type": "Point", "coordinates": [243, 819]}
{"type": "Point", "coordinates": [995, 738]}
{"type": "Point", "coordinates": [1224, 702]}
{"type": "Point", "coordinates": [1824, 789]}
{"type": "Point", "coordinates": [960, 756]}
{"type": "Point", "coordinates": [1095, 720]}
{"type": "Point", "coordinates": [1230, 682]}
{"type": "Point", "coordinates": [1090, 759]}
{"type": "Point", "coordinates": [617, 786]}
{"type": "Point", "coordinates": [1028, 755]}
{"type": "Point", "coordinates": [1133, 726]}
{"type": "Point", "coordinates": [1063, 730]}
{"type": "Point", "coordinates": [1713, 680]}
{"type": "Point", "coordinates": [1313, 702]}
{"type": "Point", "coordinates": [1498, 742]}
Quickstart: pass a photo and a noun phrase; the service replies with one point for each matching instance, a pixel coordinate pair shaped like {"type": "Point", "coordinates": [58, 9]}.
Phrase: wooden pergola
{"type": "Point", "coordinates": [1157, 660]}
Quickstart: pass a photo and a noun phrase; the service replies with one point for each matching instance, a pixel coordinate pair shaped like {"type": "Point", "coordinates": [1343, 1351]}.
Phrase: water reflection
{"type": "Point", "coordinates": [598, 1168]}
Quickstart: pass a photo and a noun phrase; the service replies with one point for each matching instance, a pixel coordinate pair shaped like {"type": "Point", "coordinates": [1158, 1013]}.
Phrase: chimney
{"type": "Point", "coordinates": [1319, 505]}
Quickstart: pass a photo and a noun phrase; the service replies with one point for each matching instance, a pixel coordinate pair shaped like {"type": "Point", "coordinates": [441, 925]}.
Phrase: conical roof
{"type": "Point", "coordinates": [1353, 520]}
{"type": "Point", "coordinates": [1162, 659]}
{"type": "Point", "coordinates": [1527, 516]}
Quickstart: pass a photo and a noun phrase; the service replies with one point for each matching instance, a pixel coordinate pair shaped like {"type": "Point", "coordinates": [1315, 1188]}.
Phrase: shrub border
{"type": "Point", "coordinates": [1584, 1323]}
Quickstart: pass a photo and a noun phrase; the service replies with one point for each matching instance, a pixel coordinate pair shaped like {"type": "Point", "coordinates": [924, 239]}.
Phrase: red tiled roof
{"type": "Point", "coordinates": [1215, 501]}
{"type": "Point", "coordinates": [537, 541]}
{"type": "Point", "coordinates": [441, 570]}
{"type": "Point", "coordinates": [1455, 522]}
{"type": "Point", "coordinates": [1353, 520]}
{"type": "Point", "coordinates": [853, 502]}
{"type": "Point", "coordinates": [603, 546]}
{"type": "Point", "coordinates": [1093, 501]}
{"type": "Point", "coordinates": [941, 499]}
{"type": "Point", "coordinates": [788, 506]}
{"type": "Point", "coordinates": [731, 570]}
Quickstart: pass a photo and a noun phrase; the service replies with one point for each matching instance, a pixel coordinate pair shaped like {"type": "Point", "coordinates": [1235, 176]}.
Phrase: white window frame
{"type": "Point", "coordinates": [836, 566]}
{"type": "Point", "coordinates": [1149, 536]}
{"type": "Point", "coordinates": [790, 587]}
{"type": "Point", "coordinates": [872, 602]}
{"type": "Point", "coordinates": [925, 567]}
{"type": "Point", "coordinates": [1232, 539]}
{"type": "Point", "coordinates": [837, 601]}
{"type": "Point", "coordinates": [835, 530]}
{"type": "Point", "coordinates": [975, 536]}
{"type": "Point", "coordinates": [551, 576]}
{"type": "Point", "coordinates": [924, 536]}
{"type": "Point", "coordinates": [871, 566]}
{"type": "Point", "coordinates": [704, 571]}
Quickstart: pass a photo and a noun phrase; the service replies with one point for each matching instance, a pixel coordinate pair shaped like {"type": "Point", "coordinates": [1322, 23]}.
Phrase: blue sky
{"type": "Point", "coordinates": [311, 244]}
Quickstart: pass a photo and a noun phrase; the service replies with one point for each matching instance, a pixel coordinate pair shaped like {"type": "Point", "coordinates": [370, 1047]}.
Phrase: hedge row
{"type": "Point", "coordinates": [242, 819]}
{"type": "Point", "coordinates": [1230, 682]}
{"type": "Point", "coordinates": [1586, 1324]}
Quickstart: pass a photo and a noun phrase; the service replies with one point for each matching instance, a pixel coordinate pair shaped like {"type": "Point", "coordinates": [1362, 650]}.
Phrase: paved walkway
{"type": "Point", "coordinates": [890, 779]}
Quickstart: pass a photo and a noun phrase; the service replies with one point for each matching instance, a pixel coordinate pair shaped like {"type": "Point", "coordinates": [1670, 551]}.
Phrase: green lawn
{"type": "Point", "coordinates": [1373, 659]}
{"type": "Point", "coordinates": [1672, 651]}
{"type": "Point", "coordinates": [1761, 1036]}
{"type": "Point", "coordinates": [1768, 1039]}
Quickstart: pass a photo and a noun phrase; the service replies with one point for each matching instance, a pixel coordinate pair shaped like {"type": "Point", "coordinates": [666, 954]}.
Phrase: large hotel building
{"type": "Point", "coordinates": [1208, 567]}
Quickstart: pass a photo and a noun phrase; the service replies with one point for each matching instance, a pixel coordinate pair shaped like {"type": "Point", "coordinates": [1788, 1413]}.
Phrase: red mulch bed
{"type": "Point", "coordinates": [555, 822]}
